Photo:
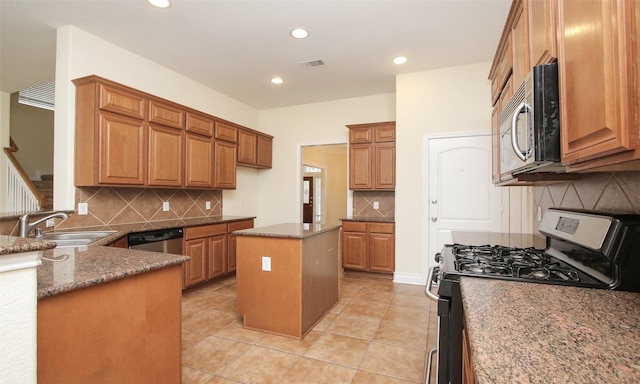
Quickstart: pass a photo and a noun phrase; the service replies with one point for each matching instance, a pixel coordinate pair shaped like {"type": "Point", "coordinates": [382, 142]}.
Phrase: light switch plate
{"type": "Point", "coordinates": [165, 206]}
{"type": "Point", "coordinates": [83, 208]}
{"type": "Point", "coordinates": [266, 263]}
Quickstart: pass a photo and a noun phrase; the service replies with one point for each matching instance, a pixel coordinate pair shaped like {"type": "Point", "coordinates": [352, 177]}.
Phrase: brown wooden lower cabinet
{"type": "Point", "coordinates": [212, 249]}
{"type": "Point", "coordinates": [468, 374]}
{"type": "Point", "coordinates": [368, 246]}
{"type": "Point", "coordinates": [122, 331]}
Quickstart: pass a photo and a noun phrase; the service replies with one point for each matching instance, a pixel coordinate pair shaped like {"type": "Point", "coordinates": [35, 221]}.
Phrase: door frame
{"type": "Point", "coordinates": [299, 174]}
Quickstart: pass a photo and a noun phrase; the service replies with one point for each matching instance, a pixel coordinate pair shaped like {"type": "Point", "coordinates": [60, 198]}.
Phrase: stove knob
{"type": "Point", "coordinates": [438, 257]}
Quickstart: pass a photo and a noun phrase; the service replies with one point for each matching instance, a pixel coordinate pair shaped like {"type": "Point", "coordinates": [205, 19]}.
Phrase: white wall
{"type": "Point", "coordinates": [81, 54]}
{"type": "Point", "coordinates": [278, 188]}
{"type": "Point", "coordinates": [455, 99]}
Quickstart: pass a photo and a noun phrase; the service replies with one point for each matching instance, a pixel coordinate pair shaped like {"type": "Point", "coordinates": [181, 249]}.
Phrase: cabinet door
{"type": "Point", "coordinates": [360, 135]}
{"type": "Point", "coordinates": [385, 166]}
{"type": "Point", "coordinates": [542, 31]}
{"type": "Point", "coordinates": [195, 270]}
{"type": "Point", "coordinates": [231, 239]}
{"type": "Point", "coordinates": [385, 133]}
{"type": "Point", "coordinates": [360, 170]}
{"type": "Point", "coordinates": [199, 161]}
{"type": "Point", "coordinates": [264, 151]}
{"type": "Point", "coordinates": [199, 124]}
{"type": "Point", "coordinates": [381, 252]}
{"type": "Point", "coordinates": [121, 101]}
{"type": "Point", "coordinates": [495, 145]}
{"type": "Point", "coordinates": [520, 44]}
{"type": "Point", "coordinates": [166, 157]}
{"type": "Point", "coordinates": [354, 250]}
{"type": "Point", "coordinates": [226, 132]}
{"type": "Point", "coordinates": [224, 165]}
{"type": "Point", "coordinates": [169, 115]}
{"type": "Point", "coordinates": [217, 255]}
{"type": "Point", "coordinates": [247, 147]}
{"type": "Point", "coordinates": [121, 150]}
{"type": "Point", "coordinates": [595, 84]}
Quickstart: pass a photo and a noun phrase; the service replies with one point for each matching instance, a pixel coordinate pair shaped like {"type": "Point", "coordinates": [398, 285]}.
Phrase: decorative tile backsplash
{"type": "Point", "coordinates": [363, 203]}
{"type": "Point", "coordinates": [617, 192]}
{"type": "Point", "coordinates": [113, 206]}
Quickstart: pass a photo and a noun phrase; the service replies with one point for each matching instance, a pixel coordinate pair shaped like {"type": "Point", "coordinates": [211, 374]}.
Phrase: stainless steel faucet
{"type": "Point", "coordinates": [26, 227]}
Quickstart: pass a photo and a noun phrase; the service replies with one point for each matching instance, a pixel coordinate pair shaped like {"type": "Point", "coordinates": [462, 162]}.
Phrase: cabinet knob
{"type": "Point", "coordinates": [434, 219]}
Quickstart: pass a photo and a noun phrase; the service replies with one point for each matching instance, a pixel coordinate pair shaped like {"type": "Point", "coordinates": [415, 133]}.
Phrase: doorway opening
{"type": "Point", "coordinates": [324, 189]}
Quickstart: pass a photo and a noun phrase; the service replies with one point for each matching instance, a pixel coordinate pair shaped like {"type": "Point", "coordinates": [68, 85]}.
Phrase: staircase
{"type": "Point", "coordinates": [45, 187]}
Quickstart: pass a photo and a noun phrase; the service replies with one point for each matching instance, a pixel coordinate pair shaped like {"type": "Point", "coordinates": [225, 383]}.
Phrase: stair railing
{"type": "Point", "coordinates": [23, 195]}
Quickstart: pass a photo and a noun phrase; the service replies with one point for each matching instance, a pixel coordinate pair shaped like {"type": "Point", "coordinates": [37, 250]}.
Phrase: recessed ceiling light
{"type": "Point", "coordinates": [277, 80]}
{"type": "Point", "coordinates": [160, 3]}
{"type": "Point", "coordinates": [400, 60]}
{"type": "Point", "coordinates": [299, 33]}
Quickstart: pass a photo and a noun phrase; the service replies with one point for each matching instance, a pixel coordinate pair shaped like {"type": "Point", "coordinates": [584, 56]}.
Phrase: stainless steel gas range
{"type": "Point", "coordinates": [583, 248]}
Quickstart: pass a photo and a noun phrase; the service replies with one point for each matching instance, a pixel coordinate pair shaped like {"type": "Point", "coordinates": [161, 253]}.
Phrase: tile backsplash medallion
{"type": "Point", "coordinates": [617, 192]}
{"type": "Point", "coordinates": [363, 203]}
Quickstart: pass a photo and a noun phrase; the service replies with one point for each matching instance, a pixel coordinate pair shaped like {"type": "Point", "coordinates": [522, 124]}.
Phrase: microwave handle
{"type": "Point", "coordinates": [514, 131]}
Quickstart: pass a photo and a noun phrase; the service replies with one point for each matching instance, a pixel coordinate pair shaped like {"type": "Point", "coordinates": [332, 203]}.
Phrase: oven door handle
{"type": "Point", "coordinates": [427, 375]}
{"type": "Point", "coordinates": [427, 290]}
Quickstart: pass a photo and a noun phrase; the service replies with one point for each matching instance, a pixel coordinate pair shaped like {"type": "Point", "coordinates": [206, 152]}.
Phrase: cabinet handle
{"type": "Point", "coordinates": [522, 155]}
{"type": "Point", "coordinates": [427, 290]}
{"type": "Point", "coordinates": [434, 219]}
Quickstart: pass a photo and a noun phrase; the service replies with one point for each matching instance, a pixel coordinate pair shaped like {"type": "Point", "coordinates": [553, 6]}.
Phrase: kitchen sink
{"type": "Point", "coordinates": [75, 239]}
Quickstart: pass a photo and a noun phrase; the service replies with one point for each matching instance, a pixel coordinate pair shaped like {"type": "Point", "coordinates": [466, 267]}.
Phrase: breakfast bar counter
{"type": "Point", "coordinates": [287, 276]}
{"type": "Point", "coordinates": [541, 333]}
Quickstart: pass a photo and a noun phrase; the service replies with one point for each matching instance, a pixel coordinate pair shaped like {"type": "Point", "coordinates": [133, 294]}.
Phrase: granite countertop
{"type": "Point", "coordinates": [67, 269]}
{"type": "Point", "coordinates": [287, 230]}
{"type": "Point", "coordinates": [540, 333]}
{"type": "Point", "coordinates": [373, 219]}
{"type": "Point", "coordinates": [12, 244]}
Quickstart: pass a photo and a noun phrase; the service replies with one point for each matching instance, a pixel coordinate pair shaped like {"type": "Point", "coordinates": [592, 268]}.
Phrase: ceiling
{"type": "Point", "coordinates": [235, 47]}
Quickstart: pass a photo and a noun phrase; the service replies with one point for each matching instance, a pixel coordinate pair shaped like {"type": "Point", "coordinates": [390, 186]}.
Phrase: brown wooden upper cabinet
{"type": "Point", "coordinates": [598, 56]}
{"type": "Point", "coordinates": [125, 137]}
{"type": "Point", "coordinates": [372, 156]}
{"type": "Point", "coordinates": [254, 149]}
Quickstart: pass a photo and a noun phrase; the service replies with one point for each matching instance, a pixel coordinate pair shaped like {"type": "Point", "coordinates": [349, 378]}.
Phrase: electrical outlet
{"type": "Point", "coordinates": [376, 205]}
{"type": "Point", "coordinates": [165, 206]}
{"type": "Point", "coordinates": [266, 263]}
{"type": "Point", "coordinates": [539, 214]}
{"type": "Point", "coordinates": [83, 208]}
{"type": "Point", "coordinates": [50, 223]}
{"type": "Point", "coordinates": [207, 205]}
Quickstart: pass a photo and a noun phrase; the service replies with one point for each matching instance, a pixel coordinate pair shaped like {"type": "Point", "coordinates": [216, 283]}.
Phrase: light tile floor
{"type": "Point", "coordinates": [379, 332]}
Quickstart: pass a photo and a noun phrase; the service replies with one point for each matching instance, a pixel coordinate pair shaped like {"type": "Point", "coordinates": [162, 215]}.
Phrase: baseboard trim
{"type": "Point", "coordinates": [409, 278]}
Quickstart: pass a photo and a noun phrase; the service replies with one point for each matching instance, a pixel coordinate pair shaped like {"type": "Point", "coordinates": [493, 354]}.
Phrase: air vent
{"type": "Point", "coordinates": [311, 64]}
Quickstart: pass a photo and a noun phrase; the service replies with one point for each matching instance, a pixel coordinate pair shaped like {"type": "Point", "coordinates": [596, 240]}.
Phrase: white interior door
{"type": "Point", "coordinates": [461, 194]}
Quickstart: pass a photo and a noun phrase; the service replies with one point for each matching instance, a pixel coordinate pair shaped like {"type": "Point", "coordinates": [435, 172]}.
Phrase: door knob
{"type": "Point", "coordinates": [434, 219]}
{"type": "Point", "coordinates": [435, 201]}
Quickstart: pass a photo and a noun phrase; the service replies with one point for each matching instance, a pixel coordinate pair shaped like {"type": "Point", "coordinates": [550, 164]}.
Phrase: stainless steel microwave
{"type": "Point", "coordinates": [530, 125]}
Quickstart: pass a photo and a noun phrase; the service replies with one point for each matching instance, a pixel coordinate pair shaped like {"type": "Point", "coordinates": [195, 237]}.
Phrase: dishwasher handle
{"type": "Point", "coordinates": [154, 236]}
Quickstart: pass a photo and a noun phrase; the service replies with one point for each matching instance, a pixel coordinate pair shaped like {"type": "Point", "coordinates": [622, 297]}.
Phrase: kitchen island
{"type": "Point", "coordinates": [109, 315]}
{"type": "Point", "coordinates": [287, 276]}
{"type": "Point", "coordinates": [540, 333]}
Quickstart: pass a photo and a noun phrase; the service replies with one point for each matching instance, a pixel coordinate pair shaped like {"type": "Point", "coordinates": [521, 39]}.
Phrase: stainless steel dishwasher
{"type": "Point", "coordinates": [161, 240]}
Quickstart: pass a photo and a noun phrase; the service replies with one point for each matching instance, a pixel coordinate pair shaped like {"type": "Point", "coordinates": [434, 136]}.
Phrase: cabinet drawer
{"type": "Point", "coordinates": [199, 124]}
{"type": "Point", "coordinates": [166, 114]}
{"type": "Point", "coordinates": [381, 228]}
{"type": "Point", "coordinates": [226, 132]}
{"type": "Point", "coordinates": [354, 226]}
{"type": "Point", "coordinates": [238, 225]}
{"type": "Point", "coordinates": [204, 231]}
{"type": "Point", "coordinates": [119, 101]}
